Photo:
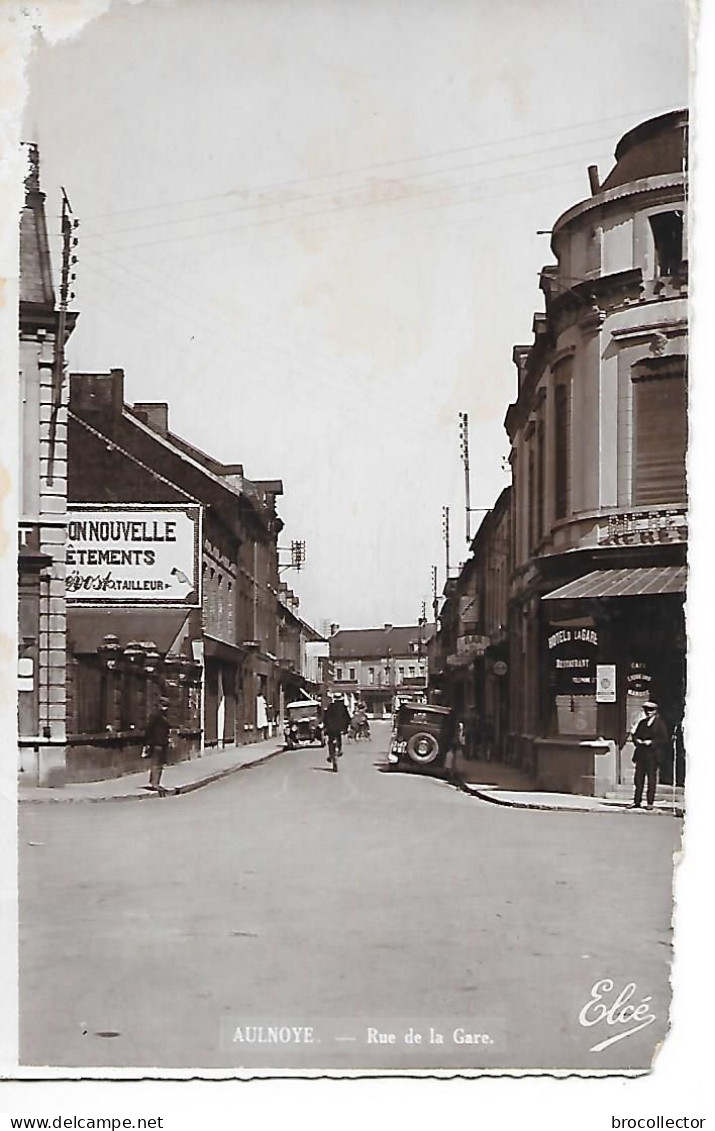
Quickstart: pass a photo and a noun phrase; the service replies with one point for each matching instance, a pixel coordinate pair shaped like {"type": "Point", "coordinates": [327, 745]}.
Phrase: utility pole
{"type": "Point", "coordinates": [464, 450]}
{"type": "Point", "coordinates": [69, 242]}
{"type": "Point", "coordinates": [435, 598]}
{"type": "Point", "coordinates": [445, 535]}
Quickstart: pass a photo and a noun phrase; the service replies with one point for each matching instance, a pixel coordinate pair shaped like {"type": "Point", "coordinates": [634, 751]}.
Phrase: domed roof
{"type": "Point", "coordinates": [652, 149]}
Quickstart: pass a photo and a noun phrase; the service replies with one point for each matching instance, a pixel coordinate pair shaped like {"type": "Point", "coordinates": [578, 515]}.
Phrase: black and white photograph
{"type": "Point", "coordinates": [352, 506]}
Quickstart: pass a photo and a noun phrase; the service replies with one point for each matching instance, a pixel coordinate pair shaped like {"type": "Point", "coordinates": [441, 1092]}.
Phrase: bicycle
{"type": "Point", "coordinates": [335, 749]}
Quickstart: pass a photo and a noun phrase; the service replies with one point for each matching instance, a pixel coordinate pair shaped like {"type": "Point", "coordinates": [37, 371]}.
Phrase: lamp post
{"type": "Point", "coordinates": [109, 653]}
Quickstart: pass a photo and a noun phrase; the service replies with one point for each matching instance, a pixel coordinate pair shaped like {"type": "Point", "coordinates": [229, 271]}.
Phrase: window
{"type": "Point", "coordinates": [512, 506]}
{"type": "Point", "coordinates": [561, 448]}
{"type": "Point", "coordinates": [660, 432]}
{"type": "Point", "coordinates": [370, 675]}
{"type": "Point", "coordinates": [532, 497]}
{"type": "Point", "coordinates": [401, 672]}
{"type": "Point", "coordinates": [412, 673]}
{"type": "Point", "coordinates": [352, 673]}
{"type": "Point", "coordinates": [667, 229]}
{"type": "Point", "coordinates": [339, 674]}
{"type": "Point", "coordinates": [540, 480]}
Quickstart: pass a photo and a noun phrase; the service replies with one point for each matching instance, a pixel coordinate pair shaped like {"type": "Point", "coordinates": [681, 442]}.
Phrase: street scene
{"type": "Point", "coordinates": [288, 895]}
{"type": "Point", "coordinates": [352, 539]}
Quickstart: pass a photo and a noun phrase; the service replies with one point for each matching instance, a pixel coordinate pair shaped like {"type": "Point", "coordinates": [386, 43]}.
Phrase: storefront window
{"type": "Point", "coordinates": [572, 653]}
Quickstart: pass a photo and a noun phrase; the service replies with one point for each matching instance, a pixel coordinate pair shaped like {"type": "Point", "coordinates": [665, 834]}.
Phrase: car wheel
{"type": "Point", "coordinates": [422, 748]}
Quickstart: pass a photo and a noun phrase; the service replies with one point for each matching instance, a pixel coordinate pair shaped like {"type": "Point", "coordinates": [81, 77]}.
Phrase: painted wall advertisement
{"type": "Point", "coordinates": [134, 555]}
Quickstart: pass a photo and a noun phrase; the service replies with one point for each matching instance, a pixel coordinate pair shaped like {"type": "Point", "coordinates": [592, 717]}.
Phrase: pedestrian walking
{"type": "Point", "coordinates": [262, 715]}
{"type": "Point", "coordinates": [156, 738]}
{"type": "Point", "coordinates": [651, 741]}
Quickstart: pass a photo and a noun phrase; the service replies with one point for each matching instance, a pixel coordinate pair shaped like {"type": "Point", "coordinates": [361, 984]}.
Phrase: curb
{"type": "Point", "coordinates": [462, 785]}
{"type": "Point", "coordinates": [190, 787]}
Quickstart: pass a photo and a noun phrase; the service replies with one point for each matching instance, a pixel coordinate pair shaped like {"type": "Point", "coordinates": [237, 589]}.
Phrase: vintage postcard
{"type": "Point", "coordinates": [352, 509]}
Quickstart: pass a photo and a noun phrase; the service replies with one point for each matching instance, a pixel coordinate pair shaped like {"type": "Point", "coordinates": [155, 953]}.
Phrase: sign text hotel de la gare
{"type": "Point", "coordinates": [133, 555]}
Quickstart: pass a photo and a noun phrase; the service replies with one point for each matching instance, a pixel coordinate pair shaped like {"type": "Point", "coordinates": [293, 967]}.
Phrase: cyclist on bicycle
{"type": "Point", "coordinates": [360, 727]}
{"type": "Point", "coordinates": [336, 721]}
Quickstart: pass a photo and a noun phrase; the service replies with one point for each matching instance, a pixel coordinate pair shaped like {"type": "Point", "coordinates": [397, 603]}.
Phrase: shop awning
{"type": "Point", "coordinates": [637, 582]}
{"type": "Point", "coordinates": [86, 628]}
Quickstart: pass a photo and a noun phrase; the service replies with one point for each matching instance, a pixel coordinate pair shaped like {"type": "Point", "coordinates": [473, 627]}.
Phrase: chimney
{"type": "Point", "coordinates": [594, 179]}
{"type": "Point", "coordinates": [153, 413]}
{"type": "Point", "coordinates": [334, 628]}
{"type": "Point", "coordinates": [387, 627]}
{"type": "Point", "coordinates": [98, 394]}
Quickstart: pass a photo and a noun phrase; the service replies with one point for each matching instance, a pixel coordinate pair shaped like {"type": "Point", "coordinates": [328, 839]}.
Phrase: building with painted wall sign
{"type": "Point", "coordinates": [598, 436]}
{"type": "Point", "coordinates": [173, 585]}
{"type": "Point", "coordinates": [134, 554]}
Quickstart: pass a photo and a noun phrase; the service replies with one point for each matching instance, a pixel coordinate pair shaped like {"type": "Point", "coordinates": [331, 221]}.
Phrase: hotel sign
{"type": "Point", "coordinates": [572, 656]}
{"type": "Point", "coordinates": [644, 528]}
{"type": "Point", "coordinates": [134, 555]}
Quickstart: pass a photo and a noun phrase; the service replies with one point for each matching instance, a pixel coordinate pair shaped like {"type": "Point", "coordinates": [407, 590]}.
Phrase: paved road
{"type": "Point", "coordinates": [290, 896]}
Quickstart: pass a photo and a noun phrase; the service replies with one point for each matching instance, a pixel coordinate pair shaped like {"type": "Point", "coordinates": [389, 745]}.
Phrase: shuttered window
{"type": "Point", "coordinates": [660, 419]}
{"type": "Point", "coordinates": [561, 452]}
{"type": "Point", "coordinates": [540, 479]}
{"type": "Point", "coordinates": [532, 498]}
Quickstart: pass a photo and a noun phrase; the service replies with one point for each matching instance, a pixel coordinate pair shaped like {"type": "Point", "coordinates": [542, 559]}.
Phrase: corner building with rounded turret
{"type": "Point", "coordinates": [598, 435]}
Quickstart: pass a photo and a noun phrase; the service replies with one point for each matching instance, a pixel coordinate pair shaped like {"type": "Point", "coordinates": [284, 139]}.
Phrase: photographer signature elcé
{"type": "Point", "coordinates": [623, 1010]}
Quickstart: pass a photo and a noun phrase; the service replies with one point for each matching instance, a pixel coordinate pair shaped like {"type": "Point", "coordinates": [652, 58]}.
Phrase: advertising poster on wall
{"type": "Point", "coordinates": [131, 555]}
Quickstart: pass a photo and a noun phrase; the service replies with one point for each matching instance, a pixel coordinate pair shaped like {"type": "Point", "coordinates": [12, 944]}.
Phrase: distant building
{"type": "Point", "coordinates": [199, 625]}
{"type": "Point", "coordinates": [469, 654]}
{"type": "Point", "coordinates": [376, 664]}
{"type": "Point", "coordinates": [299, 645]}
{"type": "Point", "coordinates": [598, 436]}
{"type": "Point", "coordinates": [42, 468]}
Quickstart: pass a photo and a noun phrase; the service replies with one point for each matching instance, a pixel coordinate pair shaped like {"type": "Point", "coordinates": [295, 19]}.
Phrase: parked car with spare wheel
{"type": "Point", "coordinates": [421, 736]}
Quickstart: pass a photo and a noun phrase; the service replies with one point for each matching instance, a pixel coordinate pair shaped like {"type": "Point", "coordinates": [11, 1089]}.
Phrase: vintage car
{"type": "Point", "coordinates": [421, 736]}
{"type": "Point", "coordinates": [304, 724]}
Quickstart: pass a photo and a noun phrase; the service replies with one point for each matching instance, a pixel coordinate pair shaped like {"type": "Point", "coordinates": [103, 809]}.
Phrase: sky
{"type": "Point", "coordinates": [316, 228]}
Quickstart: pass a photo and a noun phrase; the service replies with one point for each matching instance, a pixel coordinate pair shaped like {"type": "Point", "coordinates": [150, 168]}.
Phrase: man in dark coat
{"type": "Point", "coordinates": [651, 741]}
{"type": "Point", "coordinates": [336, 721]}
{"type": "Point", "coordinates": [157, 743]}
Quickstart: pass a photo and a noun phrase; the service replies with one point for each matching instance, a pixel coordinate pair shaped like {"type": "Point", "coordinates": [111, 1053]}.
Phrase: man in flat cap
{"type": "Point", "coordinates": [650, 738]}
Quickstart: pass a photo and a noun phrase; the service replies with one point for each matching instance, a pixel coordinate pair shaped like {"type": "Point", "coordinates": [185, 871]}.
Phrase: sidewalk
{"type": "Point", "coordinates": [181, 777]}
{"type": "Point", "coordinates": [505, 785]}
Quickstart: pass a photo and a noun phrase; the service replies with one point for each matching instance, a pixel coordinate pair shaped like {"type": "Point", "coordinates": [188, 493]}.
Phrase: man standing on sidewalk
{"type": "Point", "coordinates": [157, 743]}
{"type": "Point", "coordinates": [651, 739]}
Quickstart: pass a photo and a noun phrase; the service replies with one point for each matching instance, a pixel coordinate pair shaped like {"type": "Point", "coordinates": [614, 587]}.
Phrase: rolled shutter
{"type": "Point", "coordinates": [661, 437]}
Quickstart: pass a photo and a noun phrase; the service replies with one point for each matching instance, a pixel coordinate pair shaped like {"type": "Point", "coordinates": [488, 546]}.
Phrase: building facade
{"type": "Point", "coordinates": [205, 635]}
{"type": "Point", "coordinates": [377, 664]}
{"type": "Point", "coordinates": [43, 500]}
{"type": "Point", "coordinates": [299, 647]}
{"type": "Point", "coordinates": [469, 654]}
{"type": "Point", "coordinates": [598, 435]}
